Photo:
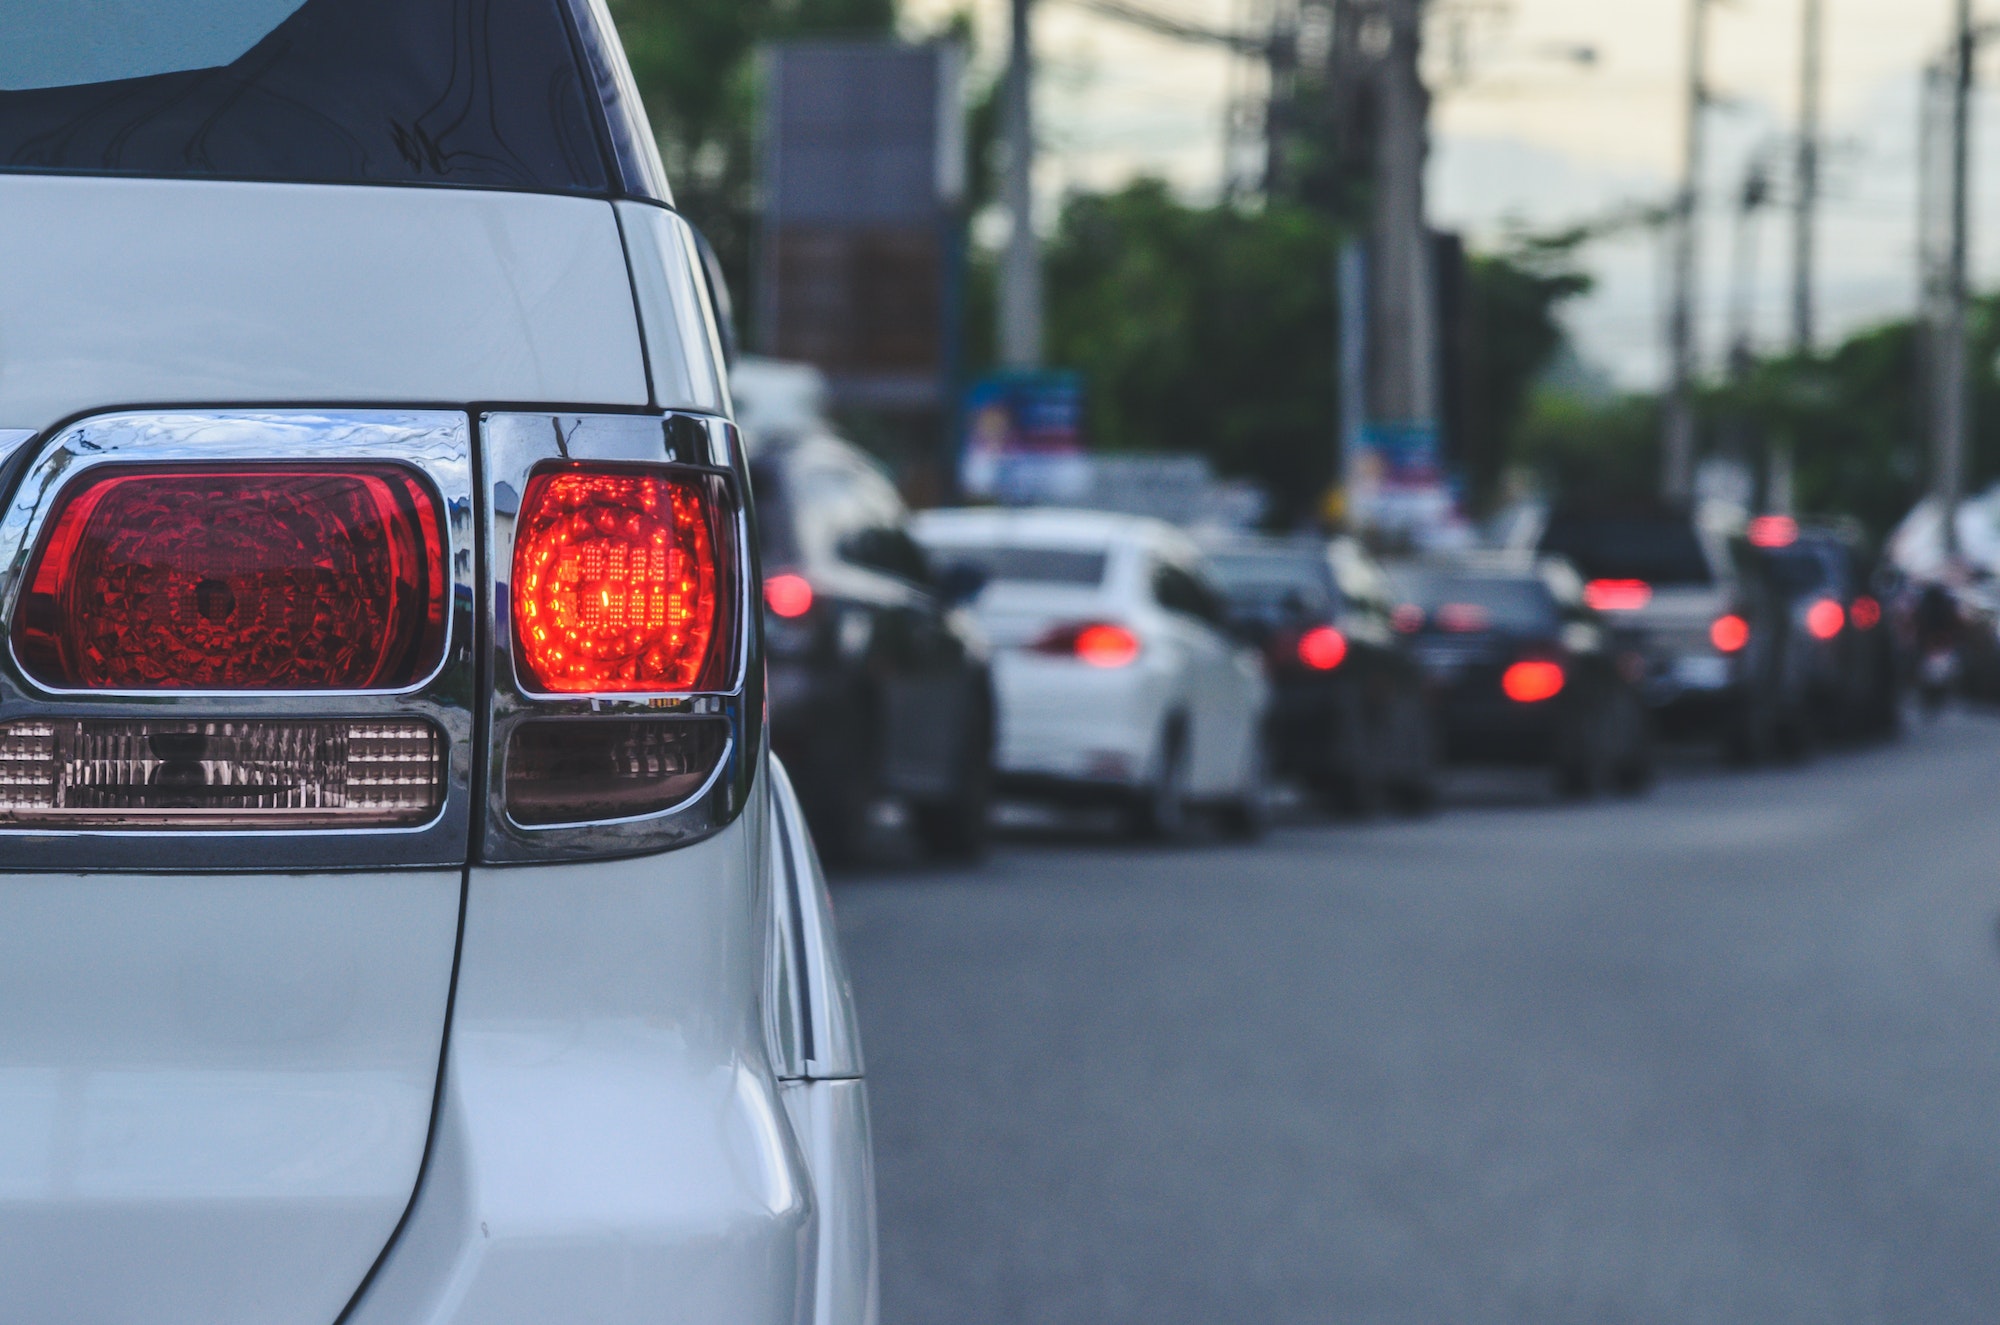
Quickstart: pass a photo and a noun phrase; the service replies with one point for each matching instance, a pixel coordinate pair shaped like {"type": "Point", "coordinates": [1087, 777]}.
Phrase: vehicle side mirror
{"type": "Point", "coordinates": [960, 583]}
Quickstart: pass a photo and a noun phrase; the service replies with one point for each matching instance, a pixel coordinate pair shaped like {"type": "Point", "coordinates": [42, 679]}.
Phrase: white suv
{"type": "Point", "coordinates": [1114, 671]}
{"type": "Point", "coordinates": [401, 918]}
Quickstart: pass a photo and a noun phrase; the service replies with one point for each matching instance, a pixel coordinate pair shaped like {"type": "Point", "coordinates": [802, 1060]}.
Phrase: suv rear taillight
{"type": "Point", "coordinates": [617, 585]}
{"type": "Point", "coordinates": [1100, 644]}
{"type": "Point", "coordinates": [249, 578]}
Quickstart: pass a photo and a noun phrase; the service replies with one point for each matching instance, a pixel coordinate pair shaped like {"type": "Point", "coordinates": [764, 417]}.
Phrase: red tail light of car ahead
{"type": "Point", "coordinates": [1322, 648]}
{"type": "Point", "coordinates": [617, 586]}
{"type": "Point", "coordinates": [1774, 531]}
{"type": "Point", "coordinates": [1617, 595]}
{"type": "Point", "coordinates": [1096, 643]}
{"type": "Point", "coordinates": [1729, 634]}
{"type": "Point", "coordinates": [1461, 618]}
{"type": "Point", "coordinates": [788, 596]}
{"type": "Point", "coordinates": [1534, 681]}
{"type": "Point", "coordinates": [1826, 619]}
{"type": "Point", "coordinates": [1866, 613]}
{"type": "Point", "coordinates": [247, 578]}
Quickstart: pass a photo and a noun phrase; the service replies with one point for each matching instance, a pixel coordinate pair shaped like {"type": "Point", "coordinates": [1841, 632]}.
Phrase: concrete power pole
{"type": "Point", "coordinates": [1677, 478]}
{"type": "Point", "coordinates": [1403, 358]}
{"type": "Point", "coordinates": [1021, 264]}
{"type": "Point", "coordinates": [1952, 404]}
{"type": "Point", "coordinates": [1806, 214]}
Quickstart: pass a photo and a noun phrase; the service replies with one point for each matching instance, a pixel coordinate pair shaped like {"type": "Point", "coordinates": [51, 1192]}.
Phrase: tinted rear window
{"type": "Point", "coordinates": [1274, 583]}
{"type": "Point", "coordinates": [486, 93]}
{"type": "Point", "coordinates": [1479, 602]}
{"type": "Point", "coordinates": [1656, 549]}
{"type": "Point", "coordinates": [1026, 565]}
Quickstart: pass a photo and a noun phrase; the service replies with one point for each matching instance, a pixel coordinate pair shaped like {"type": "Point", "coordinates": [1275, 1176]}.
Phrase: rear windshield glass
{"type": "Point", "coordinates": [1806, 568]}
{"type": "Point", "coordinates": [468, 92]}
{"type": "Point", "coordinates": [1026, 565]}
{"type": "Point", "coordinates": [1656, 549]}
{"type": "Point", "coordinates": [1273, 583]}
{"type": "Point", "coordinates": [1468, 603]}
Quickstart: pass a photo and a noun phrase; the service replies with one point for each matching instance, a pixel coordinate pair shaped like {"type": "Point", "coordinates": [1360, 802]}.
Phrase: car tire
{"type": "Point", "coordinates": [839, 794]}
{"type": "Point", "coordinates": [957, 829]}
{"type": "Point", "coordinates": [1638, 765]}
{"type": "Point", "coordinates": [1414, 792]}
{"type": "Point", "coordinates": [1357, 785]}
{"type": "Point", "coordinates": [1160, 811]}
{"type": "Point", "coordinates": [1248, 817]}
{"type": "Point", "coordinates": [1583, 762]}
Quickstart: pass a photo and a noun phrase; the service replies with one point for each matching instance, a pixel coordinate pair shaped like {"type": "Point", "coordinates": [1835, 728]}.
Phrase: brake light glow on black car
{"type": "Point", "coordinates": [267, 578]}
{"type": "Point", "coordinates": [1825, 619]}
{"type": "Point", "coordinates": [788, 596]}
{"type": "Point", "coordinates": [1729, 634]}
{"type": "Point", "coordinates": [1533, 682]}
{"type": "Point", "coordinates": [1866, 614]}
{"type": "Point", "coordinates": [1323, 648]}
{"type": "Point", "coordinates": [1617, 595]}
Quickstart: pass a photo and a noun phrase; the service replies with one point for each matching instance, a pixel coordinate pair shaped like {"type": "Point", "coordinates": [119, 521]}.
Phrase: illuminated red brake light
{"type": "Point", "coordinates": [1774, 531]}
{"type": "Point", "coordinates": [1866, 614]}
{"type": "Point", "coordinates": [1533, 682]}
{"type": "Point", "coordinates": [1323, 648]}
{"type": "Point", "coordinates": [248, 578]}
{"type": "Point", "coordinates": [1097, 643]}
{"type": "Point", "coordinates": [1462, 618]}
{"type": "Point", "coordinates": [788, 596]}
{"type": "Point", "coordinates": [1825, 619]}
{"type": "Point", "coordinates": [1617, 595]}
{"type": "Point", "coordinates": [618, 586]}
{"type": "Point", "coordinates": [1729, 634]}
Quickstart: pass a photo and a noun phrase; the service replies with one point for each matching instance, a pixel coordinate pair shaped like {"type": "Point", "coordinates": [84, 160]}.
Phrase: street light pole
{"type": "Point", "coordinates": [1021, 264]}
{"type": "Point", "coordinates": [1806, 216]}
{"type": "Point", "coordinates": [1953, 404]}
{"type": "Point", "coordinates": [1677, 480]}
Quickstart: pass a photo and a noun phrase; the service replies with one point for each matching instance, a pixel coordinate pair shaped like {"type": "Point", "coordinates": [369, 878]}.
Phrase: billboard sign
{"type": "Point", "coordinates": [1024, 438]}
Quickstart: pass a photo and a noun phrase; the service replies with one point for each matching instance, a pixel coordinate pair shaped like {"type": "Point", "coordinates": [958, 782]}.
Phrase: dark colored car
{"type": "Point", "coordinates": [1350, 713]}
{"type": "Point", "coordinates": [1710, 631]}
{"type": "Point", "coordinates": [1842, 652]}
{"type": "Point", "coordinates": [1528, 673]}
{"type": "Point", "coordinates": [879, 683]}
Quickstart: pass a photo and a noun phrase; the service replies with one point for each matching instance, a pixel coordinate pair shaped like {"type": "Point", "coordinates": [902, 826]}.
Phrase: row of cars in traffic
{"type": "Point", "coordinates": [936, 661]}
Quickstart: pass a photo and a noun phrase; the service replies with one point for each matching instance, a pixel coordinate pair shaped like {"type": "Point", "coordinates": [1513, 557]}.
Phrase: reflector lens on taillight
{"type": "Point", "coordinates": [618, 585]}
{"type": "Point", "coordinates": [581, 770]}
{"type": "Point", "coordinates": [1867, 613]}
{"type": "Point", "coordinates": [1323, 648]}
{"type": "Point", "coordinates": [1408, 618]}
{"type": "Point", "coordinates": [789, 596]}
{"type": "Point", "coordinates": [1617, 595]}
{"type": "Point", "coordinates": [253, 578]}
{"type": "Point", "coordinates": [1533, 682]}
{"type": "Point", "coordinates": [150, 775]}
{"type": "Point", "coordinates": [1729, 634]}
{"type": "Point", "coordinates": [1825, 619]}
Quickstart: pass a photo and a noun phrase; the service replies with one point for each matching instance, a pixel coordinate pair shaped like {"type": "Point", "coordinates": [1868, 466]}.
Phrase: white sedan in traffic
{"type": "Point", "coordinates": [1116, 676]}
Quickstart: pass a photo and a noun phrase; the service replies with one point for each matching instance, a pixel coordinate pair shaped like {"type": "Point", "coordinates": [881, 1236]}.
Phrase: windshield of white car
{"type": "Point", "coordinates": [488, 93]}
{"type": "Point", "coordinates": [1026, 565]}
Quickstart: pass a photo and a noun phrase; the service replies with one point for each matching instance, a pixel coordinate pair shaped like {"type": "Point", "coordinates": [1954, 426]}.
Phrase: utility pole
{"type": "Point", "coordinates": [1021, 264]}
{"type": "Point", "coordinates": [1806, 214]}
{"type": "Point", "coordinates": [1677, 479]}
{"type": "Point", "coordinates": [1953, 404]}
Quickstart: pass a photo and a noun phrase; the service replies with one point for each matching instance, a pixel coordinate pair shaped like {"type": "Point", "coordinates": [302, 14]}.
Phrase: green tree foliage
{"type": "Point", "coordinates": [1588, 451]}
{"type": "Point", "coordinates": [1206, 330]}
{"type": "Point", "coordinates": [1512, 334]}
{"type": "Point", "coordinates": [695, 63]}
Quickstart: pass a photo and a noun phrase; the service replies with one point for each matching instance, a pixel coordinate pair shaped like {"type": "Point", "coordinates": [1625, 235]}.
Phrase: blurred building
{"type": "Point", "coordinates": [861, 248]}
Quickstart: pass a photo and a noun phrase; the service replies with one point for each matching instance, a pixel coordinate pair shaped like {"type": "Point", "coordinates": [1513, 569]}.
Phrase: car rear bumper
{"type": "Point", "coordinates": [1064, 722]}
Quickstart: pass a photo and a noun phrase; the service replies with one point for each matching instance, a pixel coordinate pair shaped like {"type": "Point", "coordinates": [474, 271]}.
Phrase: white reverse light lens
{"type": "Point", "coordinates": [75, 773]}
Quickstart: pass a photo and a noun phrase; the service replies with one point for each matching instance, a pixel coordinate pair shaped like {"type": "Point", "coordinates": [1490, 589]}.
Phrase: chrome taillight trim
{"type": "Point", "coordinates": [511, 446]}
{"type": "Point", "coordinates": [437, 444]}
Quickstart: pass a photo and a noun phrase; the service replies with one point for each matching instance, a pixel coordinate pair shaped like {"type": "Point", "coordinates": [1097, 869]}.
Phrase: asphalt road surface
{"type": "Point", "coordinates": [1728, 1054]}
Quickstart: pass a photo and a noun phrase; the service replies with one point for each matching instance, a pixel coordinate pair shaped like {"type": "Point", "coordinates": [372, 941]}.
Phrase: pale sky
{"type": "Point", "coordinates": [1531, 137]}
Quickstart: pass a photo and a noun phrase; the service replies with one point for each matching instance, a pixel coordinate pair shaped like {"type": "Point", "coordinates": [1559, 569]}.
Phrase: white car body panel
{"type": "Point", "coordinates": [214, 1090]}
{"type": "Point", "coordinates": [611, 1144]}
{"type": "Point", "coordinates": [117, 292]}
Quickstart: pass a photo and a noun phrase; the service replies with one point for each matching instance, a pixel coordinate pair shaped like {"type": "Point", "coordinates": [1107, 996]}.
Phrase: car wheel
{"type": "Point", "coordinates": [1248, 817]}
{"type": "Point", "coordinates": [1357, 785]}
{"type": "Point", "coordinates": [839, 795]}
{"type": "Point", "coordinates": [1583, 757]}
{"type": "Point", "coordinates": [1637, 765]}
{"type": "Point", "coordinates": [1415, 791]}
{"type": "Point", "coordinates": [956, 829]}
{"type": "Point", "coordinates": [1160, 813]}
